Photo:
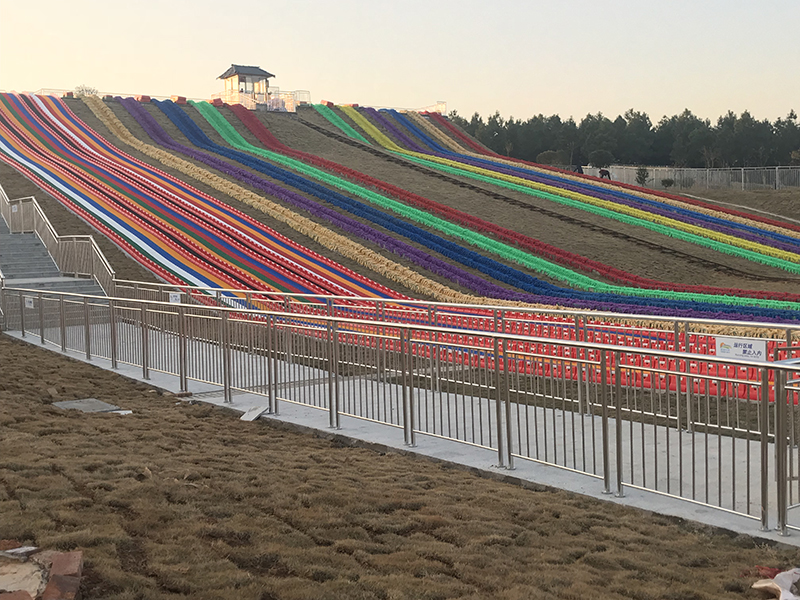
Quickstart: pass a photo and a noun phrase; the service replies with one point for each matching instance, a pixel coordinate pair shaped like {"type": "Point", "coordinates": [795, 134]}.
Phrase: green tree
{"type": "Point", "coordinates": [601, 158]}
{"type": "Point", "coordinates": [635, 141]}
{"type": "Point", "coordinates": [551, 157]}
{"type": "Point", "coordinates": [642, 176]}
{"type": "Point", "coordinates": [568, 141]}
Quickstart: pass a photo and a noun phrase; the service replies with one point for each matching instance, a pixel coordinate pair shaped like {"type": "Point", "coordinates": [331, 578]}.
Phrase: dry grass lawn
{"type": "Point", "coordinates": [186, 501]}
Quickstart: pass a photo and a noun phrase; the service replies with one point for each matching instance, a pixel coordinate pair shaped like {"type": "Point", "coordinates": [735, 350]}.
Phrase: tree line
{"type": "Point", "coordinates": [683, 140]}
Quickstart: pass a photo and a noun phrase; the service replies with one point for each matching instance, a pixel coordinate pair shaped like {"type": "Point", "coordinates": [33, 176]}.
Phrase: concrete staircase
{"type": "Point", "coordinates": [25, 263]}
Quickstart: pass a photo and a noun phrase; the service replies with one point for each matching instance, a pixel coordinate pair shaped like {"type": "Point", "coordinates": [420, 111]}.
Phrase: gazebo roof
{"type": "Point", "coordinates": [245, 70]}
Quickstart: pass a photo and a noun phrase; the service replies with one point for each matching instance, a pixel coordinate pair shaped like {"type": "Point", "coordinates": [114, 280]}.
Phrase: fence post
{"type": "Point", "coordinates": [777, 178]}
{"type": "Point", "coordinates": [112, 311]}
{"type": "Point", "coordinates": [183, 354]}
{"type": "Point", "coordinates": [41, 317]}
{"type": "Point", "coordinates": [780, 451]}
{"type": "Point", "coordinates": [3, 307]}
{"type": "Point", "coordinates": [87, 330]}
{"type": "Point", "coordinates": [22, 313]}
{"type": "Point", "coordinates": [506, 383]}
{"type": "Point", "coordinates": [742, 178]}
{"type": "Point", "coordinates": [272, 366]}
{"type": "Point", "coordinates": [225, 344]}
{"type": "Point", "coordinates": [333, 375]}
{"type": "Point", "coordinates": [408, 404]}
{"type": "Point", "coordinates": [618, 429]}
{"type": "Point", "coordinates": [604, 421]}
{"type": "Point", "coordinates": [764, 407]}
{"type": "Point", "coordinates": [498, 400]}
{"type": "Point", "coordinates": [145, 344]}
{"type": "Point", "coordinates": [62, 317]}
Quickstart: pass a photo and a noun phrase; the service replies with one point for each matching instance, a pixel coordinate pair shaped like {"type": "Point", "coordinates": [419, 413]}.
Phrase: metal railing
{"type": "Point", "coordinates": [670, 422]}
{"type": "Point", "coordinates": [674, 178]}
{"type": "Point", "coordinates": [76, 255]}
{"type": "Point", "coordinates": [696, 336]}
{"type": "Point", "coordinates": [275, 100]}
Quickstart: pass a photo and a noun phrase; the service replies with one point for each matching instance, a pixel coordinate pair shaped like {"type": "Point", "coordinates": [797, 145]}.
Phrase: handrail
{"type": "Point", "coordinates": [423, 305]}
{"type": "Point", "coordinates": [64, 249]}
{"type": "Point", "coordinates": [532, 339]}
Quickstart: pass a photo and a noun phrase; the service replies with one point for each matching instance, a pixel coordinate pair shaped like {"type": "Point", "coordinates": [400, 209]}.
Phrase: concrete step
{"type": "Point", "coordinates": [39, 261]}
{"type": "Point", "coordinates": [11, 254]}
{"type": "Point", "coordinates": [74, 285]}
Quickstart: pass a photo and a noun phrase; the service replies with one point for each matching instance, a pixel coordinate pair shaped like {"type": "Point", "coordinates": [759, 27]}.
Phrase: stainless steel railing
{"type": "Point", "coordinates": [76, 255]}
{"type": "Point", "coordinates": [716, 431]}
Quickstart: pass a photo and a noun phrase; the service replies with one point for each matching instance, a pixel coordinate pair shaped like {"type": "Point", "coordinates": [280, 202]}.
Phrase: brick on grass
{"type": "Point", "coordinates": [61, 587]}
{"type": "Point", "coordinates": [18, 595]}
{"type": "Point", "coordinates": [67, 563]}
{"type": "Point", "coordinates": [9, 544]}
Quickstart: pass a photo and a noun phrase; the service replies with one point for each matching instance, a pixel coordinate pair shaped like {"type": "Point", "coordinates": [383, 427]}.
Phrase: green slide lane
{"type": "Point", "coordinates": [336, 120]}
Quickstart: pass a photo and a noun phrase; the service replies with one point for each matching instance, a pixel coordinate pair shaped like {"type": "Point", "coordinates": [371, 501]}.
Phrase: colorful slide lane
{"type": "Point", "coordinates": [187, 236]}
{"type": "Point", "coordinates": [554, 294]}
{"type": "Point", "coordinates": [699, 204]}
{"type": "Point", "coordinates": [790, 242]}
{"type": "Point", "coordinates": [737, 245]}
{"type": "Point", "coordinates": [232, 137]}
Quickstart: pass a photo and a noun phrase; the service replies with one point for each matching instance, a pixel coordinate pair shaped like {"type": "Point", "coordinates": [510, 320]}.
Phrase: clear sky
{"type": "Point", "coordinates": [521, 57]}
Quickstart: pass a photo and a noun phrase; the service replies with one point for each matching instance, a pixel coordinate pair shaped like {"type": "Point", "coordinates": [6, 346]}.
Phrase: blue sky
{"type": "Point", "coordinates": [519, 57]}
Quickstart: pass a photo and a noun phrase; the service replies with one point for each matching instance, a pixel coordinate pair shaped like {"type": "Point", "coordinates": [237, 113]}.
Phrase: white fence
{"type": "Point", "coordinates": [744, 178]}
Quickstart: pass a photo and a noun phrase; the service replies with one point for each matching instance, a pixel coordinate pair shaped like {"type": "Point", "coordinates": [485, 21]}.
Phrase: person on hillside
{"type": "Point", "coordinates": [605, 174]}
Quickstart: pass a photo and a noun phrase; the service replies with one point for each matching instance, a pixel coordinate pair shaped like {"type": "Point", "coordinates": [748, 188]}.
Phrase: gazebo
{"type": "Point", "coordinates": [246, 85]}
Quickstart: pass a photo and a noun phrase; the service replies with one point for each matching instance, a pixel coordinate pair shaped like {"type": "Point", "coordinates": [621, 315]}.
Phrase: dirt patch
{"type": "Point", "coordinates": [179, 500]}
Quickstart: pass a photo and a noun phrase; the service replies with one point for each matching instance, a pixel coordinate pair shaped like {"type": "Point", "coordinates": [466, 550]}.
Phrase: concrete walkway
{"type": "Point", "coordinates": [660, 443]}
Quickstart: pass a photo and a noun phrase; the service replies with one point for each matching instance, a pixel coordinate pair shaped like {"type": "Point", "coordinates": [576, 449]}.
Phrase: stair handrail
{"type": "Point", "coordinates": [76, 255]}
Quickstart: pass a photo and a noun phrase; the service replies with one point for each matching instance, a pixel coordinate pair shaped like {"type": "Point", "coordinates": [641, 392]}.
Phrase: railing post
{"type": "Point", "coordinates": [183, 374]}
{"type": "Point", "coordinates": [40, 298]}
{"type": "Point", "coordinates": [272, 369]}
{"type": "Point", "coordinates": [408, 421]}
{"type": "Point", "coordinates": [112, 325]}
{"type": "Point", "coordinates": [3, 307]}
{"type": "Point", "coordinates": [225, 344]}
{"type": "Point", "coordinates": [604, 421]}
{"type": "Point", "coordinates": [780, 452]}
{"type": "Point", "coordinates": [764, 408]}
{"type": "Point", "coordinates": [22, 313]}
{"type": "Point", "coordinates": [618, 429]}
{"type": "Point", "coordinates": [507, 394]}
{"type": "Point", "coordinates": [333, 375]}
{"type": "Point", "coordinates": [498, 400]}
{"type": "Point", "coordinates": [145, 343]}
{"type": "Point", "coordinates": [87, 329]}
{"type": "Point", "coordinates": [62, 317]}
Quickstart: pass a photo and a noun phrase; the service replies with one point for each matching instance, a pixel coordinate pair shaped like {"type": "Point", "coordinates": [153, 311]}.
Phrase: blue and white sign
{"type": "Point", "coordinates": [741, 348]}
